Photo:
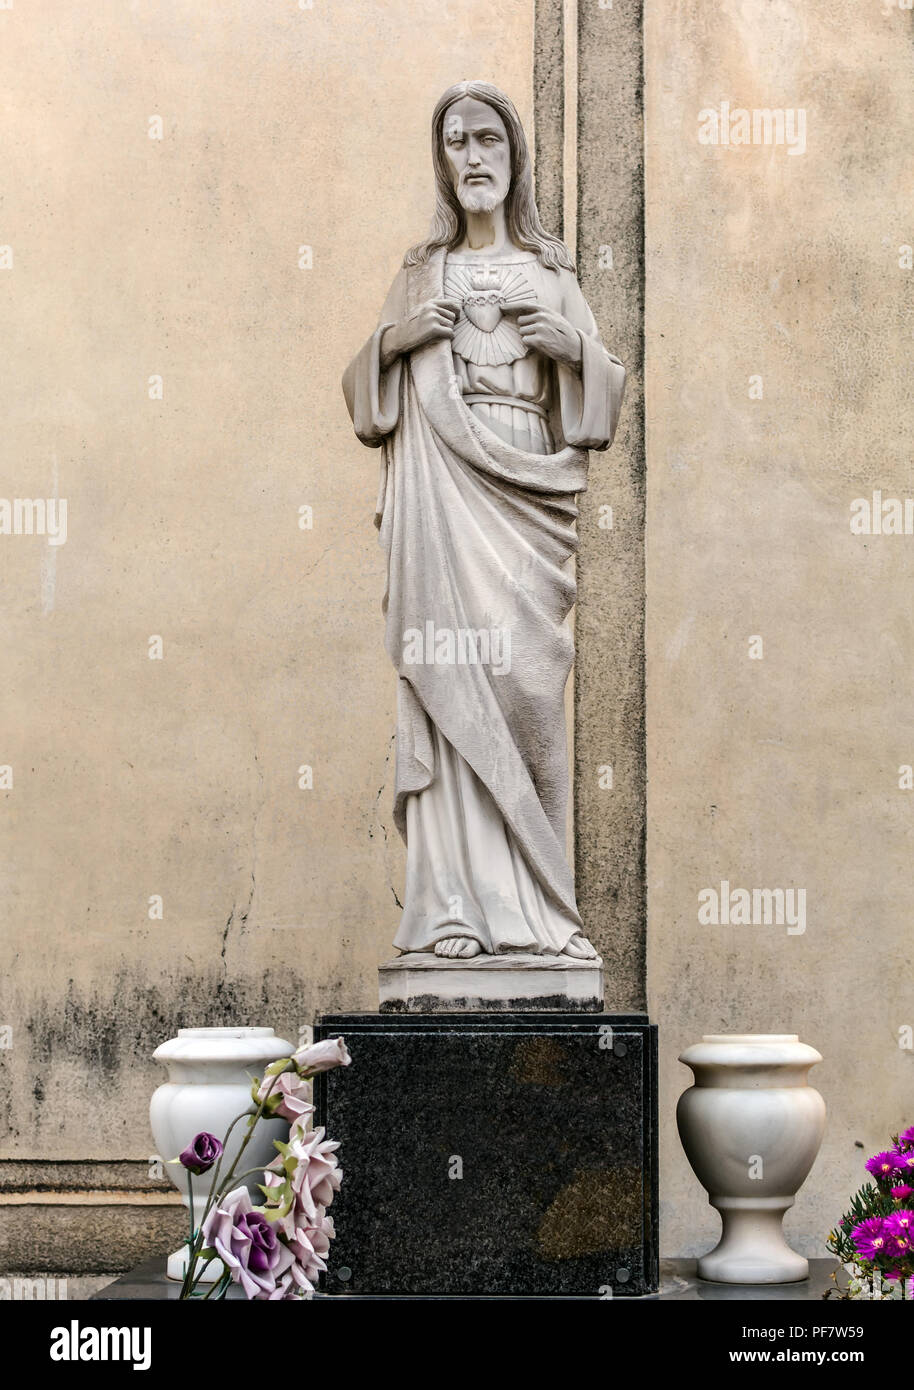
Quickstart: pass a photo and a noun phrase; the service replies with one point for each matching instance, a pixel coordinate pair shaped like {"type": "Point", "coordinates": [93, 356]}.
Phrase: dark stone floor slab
{"type": "Point", "coordinates": [678, 1283]}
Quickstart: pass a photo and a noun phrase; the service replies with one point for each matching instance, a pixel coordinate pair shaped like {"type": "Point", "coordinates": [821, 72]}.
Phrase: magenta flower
{"type": "Point", "coordinates": [248, 1245]}
{"type": "Point", "coordinates": [869, 1237]}
{"type": "Point", "coordinates": [904, 1162]}
{"type": "Point", "coordinates": [898, 1246]}
{"type": "Point", "coordinates": [899, 1193]}
{"type": "Point", "coordinates": [882, 1166]}
{"type": "Point", "coordinates": [906, 1140]}
{"type": "Point", "coordinates": [201, 1153]}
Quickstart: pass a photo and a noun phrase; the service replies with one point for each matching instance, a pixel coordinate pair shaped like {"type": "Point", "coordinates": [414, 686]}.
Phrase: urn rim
{"type": "Point", "coordinates": [760, 1038]}
{"type": "Point", "coordinates": [719, 1056]}
{"type": "Point", "coordinates": [226, 1045]}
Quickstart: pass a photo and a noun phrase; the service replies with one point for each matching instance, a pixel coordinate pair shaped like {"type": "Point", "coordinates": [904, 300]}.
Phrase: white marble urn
{"type": "Point", "coordinates": [210, 1071]}
{"type": "Point", "coordinates": [751, 1127]}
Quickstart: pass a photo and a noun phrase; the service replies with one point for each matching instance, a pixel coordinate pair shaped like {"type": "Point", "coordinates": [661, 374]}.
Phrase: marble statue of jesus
{"type": "Point", "coordinates": [484, 386]}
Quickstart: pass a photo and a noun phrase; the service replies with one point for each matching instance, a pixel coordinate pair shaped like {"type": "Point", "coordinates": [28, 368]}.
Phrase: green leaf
{"type": "Point", "coordinates": [274, 1214]}
{"type": "Point", "coordinates": [278, 1196]}
{"type": "Point", "coordinates": [279, 1066]}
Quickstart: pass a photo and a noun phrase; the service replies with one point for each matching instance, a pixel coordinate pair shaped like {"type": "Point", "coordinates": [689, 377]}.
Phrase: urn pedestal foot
{"type": "Point", "coordinates": [752, 1248]}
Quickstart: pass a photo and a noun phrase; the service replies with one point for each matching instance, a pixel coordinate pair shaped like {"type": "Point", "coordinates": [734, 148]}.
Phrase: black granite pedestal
{"type": "Point", "coordinates": [494, 1154]}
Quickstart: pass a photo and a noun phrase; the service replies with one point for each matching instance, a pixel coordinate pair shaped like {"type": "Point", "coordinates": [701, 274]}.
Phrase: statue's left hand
{"type": "Point", "coordinates": [546, 331]}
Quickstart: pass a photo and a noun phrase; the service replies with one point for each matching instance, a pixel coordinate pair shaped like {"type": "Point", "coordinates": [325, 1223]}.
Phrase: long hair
{"type": "Point", "coordinates": [521, 217]}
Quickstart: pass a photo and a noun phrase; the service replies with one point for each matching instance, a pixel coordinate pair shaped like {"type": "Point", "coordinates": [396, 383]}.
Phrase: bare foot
{"type": "Point", "coordinates": [458, 946]}
{"type": "Point", "coordinates": [579, 947]}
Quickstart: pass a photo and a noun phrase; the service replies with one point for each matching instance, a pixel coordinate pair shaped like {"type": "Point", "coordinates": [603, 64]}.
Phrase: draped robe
{"type": "Point", "coordinates": [478, 532]}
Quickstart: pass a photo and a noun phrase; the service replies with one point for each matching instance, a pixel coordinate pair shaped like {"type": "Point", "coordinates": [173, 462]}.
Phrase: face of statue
{"type": "Point", "coordinates": [478, 154]}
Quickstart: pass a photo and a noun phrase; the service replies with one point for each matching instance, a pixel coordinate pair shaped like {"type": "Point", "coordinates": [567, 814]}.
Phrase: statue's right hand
{"type": "Point", "coordinates": [432, 320]}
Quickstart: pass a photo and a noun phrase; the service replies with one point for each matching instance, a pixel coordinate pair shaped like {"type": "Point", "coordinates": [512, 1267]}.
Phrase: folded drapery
{"type": "Point", "coordinates": [477, 534]}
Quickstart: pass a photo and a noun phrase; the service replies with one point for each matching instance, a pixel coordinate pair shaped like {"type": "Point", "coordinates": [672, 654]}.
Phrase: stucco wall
{"type": "Point", "coordinates": [178, 257]}
{"type": "Point", "coordinates": [783, 771]}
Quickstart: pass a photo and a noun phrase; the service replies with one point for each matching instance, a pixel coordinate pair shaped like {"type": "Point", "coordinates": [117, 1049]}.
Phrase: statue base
{"type": "Point", "coordinates": [422, 983]}
{"type": "Point", "coordinates": [493, 1155]}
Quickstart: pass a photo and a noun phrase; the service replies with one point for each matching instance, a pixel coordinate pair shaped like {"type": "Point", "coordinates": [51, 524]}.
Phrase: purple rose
{"type": "Point", "coordinates": [201, 1153]}
{"type": "Point", "coordinates": [248, 1245]}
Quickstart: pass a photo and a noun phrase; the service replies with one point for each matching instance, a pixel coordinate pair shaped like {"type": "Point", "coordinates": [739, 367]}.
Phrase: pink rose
{"type": "Point", "coordinates": [289, 1096]}
{"type": "Point", "coordinates": [322, 1056]}
{"type": "Point", "coordinates": [317, 1176]}
{"type": "Point", "coordinates": [309, 1242]}
{"type": "Point", "coordinates": [248, 1245]}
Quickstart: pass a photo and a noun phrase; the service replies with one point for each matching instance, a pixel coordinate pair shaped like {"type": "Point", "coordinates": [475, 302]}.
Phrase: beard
{"type": "Point", "coordinates": [473, 200]}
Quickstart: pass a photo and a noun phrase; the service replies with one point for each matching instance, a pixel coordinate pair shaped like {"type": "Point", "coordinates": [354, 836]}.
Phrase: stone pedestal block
{"type": "Point", "coordinates": [420, 982]}
{"type": "Point", "coordinates": [494, 1154]}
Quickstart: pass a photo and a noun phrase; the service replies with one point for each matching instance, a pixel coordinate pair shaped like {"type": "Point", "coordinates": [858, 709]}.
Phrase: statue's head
{"type": "Point", "coordinates": [477, 145]}
{"type": "Point", "coordinates": [481, 160]}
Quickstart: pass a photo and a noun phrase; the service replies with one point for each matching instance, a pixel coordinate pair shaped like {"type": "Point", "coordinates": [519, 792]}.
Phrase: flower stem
{"type": "Point", "coordinates": [217, 1189]}
{"type": "Point", "coordinates": [203, 1268]}
{"type": "Point", "coordinates": [214, 1184]}
{"type": "Point", "coordinates": [244, 1143]}
{"type": "Point", "coordinates": [222, 1283]}
{"type": "Point", "coordinates": [190, 1204]}
{"type": "Point", "coordinates": [192, 1235]}
{"type": "Point", "coordinates": [249, 1174]}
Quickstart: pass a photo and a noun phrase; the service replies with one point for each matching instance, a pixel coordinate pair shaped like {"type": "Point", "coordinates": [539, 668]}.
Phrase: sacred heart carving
{"type": "Point", "coordinates": [483, 334]}
{"type": "Point", "coordinates": [483, 309]}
